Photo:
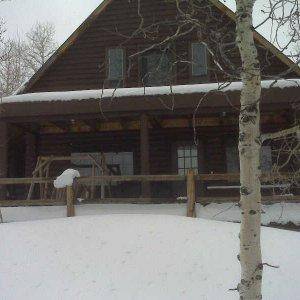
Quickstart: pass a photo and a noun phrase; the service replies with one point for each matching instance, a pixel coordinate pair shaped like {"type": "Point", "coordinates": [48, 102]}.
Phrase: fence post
{"type": "Point", "coordinates": [70, 202]}
{"type": "Point", "coordinates": [191, 194]}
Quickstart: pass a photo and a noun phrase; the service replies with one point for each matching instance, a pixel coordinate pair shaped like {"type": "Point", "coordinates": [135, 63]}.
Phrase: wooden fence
{"type": "Point", "coordinates": [191, 181]}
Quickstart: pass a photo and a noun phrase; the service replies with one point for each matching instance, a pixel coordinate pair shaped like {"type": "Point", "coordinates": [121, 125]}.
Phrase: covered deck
{"type": "Point", "coordinates": [148, 132]}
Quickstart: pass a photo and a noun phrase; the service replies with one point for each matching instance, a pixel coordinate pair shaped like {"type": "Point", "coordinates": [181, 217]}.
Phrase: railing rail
{"type": "Point", "coordinates": [191, 181]}
{"type": "Point", "coordinates": [230, 177]}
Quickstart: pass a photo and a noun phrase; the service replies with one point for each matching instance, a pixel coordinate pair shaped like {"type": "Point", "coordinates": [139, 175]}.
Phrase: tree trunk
{"type": "Point", "coordinates": [249, 151]}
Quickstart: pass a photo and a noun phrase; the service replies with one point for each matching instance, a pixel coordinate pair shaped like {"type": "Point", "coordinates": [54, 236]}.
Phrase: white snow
{"type": "Point", "coordinates": [134, 257]}
{"type": "Point", "coordinates": [281, 213]}
{"type": "Point", "coordinates": [141, 91]}
{"type": "Point", "coordinates": [66, 178]}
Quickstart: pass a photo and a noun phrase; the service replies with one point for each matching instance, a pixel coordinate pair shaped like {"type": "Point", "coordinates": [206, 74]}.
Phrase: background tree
{"type": "Point", "coordinates": [13, 70]}
{"type": "Point", "coordinates": [39, 45]}
{"type": "Point", "coordinates": [20, 59]}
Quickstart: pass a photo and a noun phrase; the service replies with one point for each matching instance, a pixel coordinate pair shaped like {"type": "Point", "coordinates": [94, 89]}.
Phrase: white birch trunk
{"type": "Point", "coordinates": [249, 151]}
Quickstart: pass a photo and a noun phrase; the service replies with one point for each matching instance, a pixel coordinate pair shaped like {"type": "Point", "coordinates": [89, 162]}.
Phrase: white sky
{"type": "Point", "coordinates": [67, 15]}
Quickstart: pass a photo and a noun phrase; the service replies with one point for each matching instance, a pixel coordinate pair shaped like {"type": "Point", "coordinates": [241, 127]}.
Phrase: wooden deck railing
{"type": "Point", "coordinates": [191, 179]}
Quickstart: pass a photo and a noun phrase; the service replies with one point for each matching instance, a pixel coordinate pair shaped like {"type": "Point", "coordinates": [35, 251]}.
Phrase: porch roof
{"type": "Point", "coordinates": [145, 91]}
{"type": "Point", "coordinates": [211, 97]}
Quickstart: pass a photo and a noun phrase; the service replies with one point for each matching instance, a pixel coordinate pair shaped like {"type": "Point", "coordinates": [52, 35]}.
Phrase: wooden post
{"type": "Point", "coordinates": [93, 181]}
{"type": "Point", "coordinates": [3, 156]}
{"type": "Point", "coordinates": [30, 153]}
{"type": "Point", "coordinates": [144, 147]}
{"type": "Point", "coordinates": [70, 202]}
{"type": "Point", "coordinates": [191, 194]}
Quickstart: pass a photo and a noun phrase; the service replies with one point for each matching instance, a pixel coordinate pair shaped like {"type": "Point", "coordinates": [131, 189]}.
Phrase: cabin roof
{"type": "Point", "coordinates": [70, 41]}
{"type": "Point", "coordinates": [102, 94]}
{"type": "Point", "coordinates": [209, 98]}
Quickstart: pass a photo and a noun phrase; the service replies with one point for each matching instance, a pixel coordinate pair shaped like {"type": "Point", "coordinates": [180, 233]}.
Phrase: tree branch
{"type": "Point", "coordinates": [279, 134]}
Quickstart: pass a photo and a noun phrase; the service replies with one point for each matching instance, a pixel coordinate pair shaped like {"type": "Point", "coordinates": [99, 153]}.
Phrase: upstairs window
{"type": "Point", "coordinates": [156, 69]}
{"type": "Point", "coordinates": [115, 64]}
{"type": "Point", "coordinates": [187, 159]}
{"type": "Point", "coordinates": [199, 59]}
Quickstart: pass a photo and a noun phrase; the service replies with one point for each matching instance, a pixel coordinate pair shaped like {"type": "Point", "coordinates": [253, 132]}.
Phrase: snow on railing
{"type": "Point", "coordinates": [66, 178]}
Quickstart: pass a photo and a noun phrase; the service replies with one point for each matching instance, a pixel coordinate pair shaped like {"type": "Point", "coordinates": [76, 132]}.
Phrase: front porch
{"type": "Point", "coordinates": [123, 148]}
{"type": "Point", "coordinates": [138, 132]}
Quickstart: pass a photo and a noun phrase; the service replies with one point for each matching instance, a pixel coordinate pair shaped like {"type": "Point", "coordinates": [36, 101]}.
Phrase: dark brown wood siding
{"type": "Point", "coordinates": [82, 66]}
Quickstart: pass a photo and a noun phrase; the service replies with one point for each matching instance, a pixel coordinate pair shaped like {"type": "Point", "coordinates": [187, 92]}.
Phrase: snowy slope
{"type": "Point", "coordinates": [137, 257]}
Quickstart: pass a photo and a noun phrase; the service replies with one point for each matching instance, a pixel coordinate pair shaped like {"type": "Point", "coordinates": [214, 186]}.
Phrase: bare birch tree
{"type": "Point", "coordinates": [39, 45]}
{"type": "Point", "coordinates": [249, 153]}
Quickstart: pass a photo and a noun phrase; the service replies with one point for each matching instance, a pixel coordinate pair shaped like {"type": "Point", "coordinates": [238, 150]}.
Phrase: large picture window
{"type": "Point", "coordinates": [156, 68]}
{"type": "Point", "coordinates": [187, 159]}
{"type": "Point", "coordinates": [199, 59]}
{"type": "Point", "coordinates": [120, 163]}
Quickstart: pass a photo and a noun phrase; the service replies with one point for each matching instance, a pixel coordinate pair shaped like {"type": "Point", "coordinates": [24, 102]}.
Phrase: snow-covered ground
{"type": "Point", "coordinates": [134, 257]}
{"type": "Point", "coordinates": [281, 213]}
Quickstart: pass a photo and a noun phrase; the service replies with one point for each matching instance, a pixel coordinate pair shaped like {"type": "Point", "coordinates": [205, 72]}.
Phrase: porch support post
{"type": "Point", "coordinates": [144, 147]}
{"type": "Point", "coordinates": [30, 153]}
{"type": "Point", "coordinates": [3, 156]}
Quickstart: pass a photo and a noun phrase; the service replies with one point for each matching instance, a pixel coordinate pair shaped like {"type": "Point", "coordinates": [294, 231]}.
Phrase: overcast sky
{"type": "Point", "coordinates": [67, 15]}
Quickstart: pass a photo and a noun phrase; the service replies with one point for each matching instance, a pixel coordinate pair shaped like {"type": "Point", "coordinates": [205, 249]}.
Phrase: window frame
{"type": "Point", "coordinates": [177, 157]}
{"type": "Point", "coordinates": [108, 76]}
{"type": "Point", "coordinates": [172, 73]}
{"type": "Point", "coordinates": [203, 76]}
{"type": "Point", "coordinates": [88, 163]}
{"type": "Point", "coordinates": [232, 144]}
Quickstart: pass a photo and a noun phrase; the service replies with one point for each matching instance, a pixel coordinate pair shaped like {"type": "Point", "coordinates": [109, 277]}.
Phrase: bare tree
{"type": "Point", "coordinates": [13, 70]}
{"type": "Point", "coordinates": [39, 45]}
{"type": "Point", "coordinates": [21, 59]}
{"type": "Point", "coordinates": [249, 152]}
{"type": "Point", "coordinates": [219, 38]}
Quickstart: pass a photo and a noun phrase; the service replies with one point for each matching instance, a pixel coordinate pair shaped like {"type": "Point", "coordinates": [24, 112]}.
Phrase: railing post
{"type": "Point", "coordinates": [3, 157]}
{"type": "Point", "coordinates": [191, 194]}
{"type": "Point", "coordinates": [70, 202]}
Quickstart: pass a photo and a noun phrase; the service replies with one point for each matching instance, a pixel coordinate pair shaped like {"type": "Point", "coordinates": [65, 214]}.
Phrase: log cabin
{"type": "Point", "coordinates": [127, 87]}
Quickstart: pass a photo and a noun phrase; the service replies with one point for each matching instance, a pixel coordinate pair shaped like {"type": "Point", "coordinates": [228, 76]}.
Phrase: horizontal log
{"type": "Point", "coordinates": [204, 200]}
{"type": "Point", "coordinates": [151, 178]}
{"type": "Point", "coordinates": [25, 203]}
{"type": "Point", "coordinates": [128, 178]}
{"type": "Point", "coordinates": [265, 199]}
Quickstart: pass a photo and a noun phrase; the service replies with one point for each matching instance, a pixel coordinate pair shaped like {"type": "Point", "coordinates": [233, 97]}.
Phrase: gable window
{"type": "Point", "coordinates": [156, 68]}
{"type": "Point", "coordinates": [187, 159]}
{"type": "Point", "coordinates": [115, 64]}
{"type": "Point", "coordinates": [199, 59]}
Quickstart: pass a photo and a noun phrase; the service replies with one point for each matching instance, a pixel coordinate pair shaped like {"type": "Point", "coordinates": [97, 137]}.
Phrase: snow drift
{"type": "Point", "coordinates": [133, 257]}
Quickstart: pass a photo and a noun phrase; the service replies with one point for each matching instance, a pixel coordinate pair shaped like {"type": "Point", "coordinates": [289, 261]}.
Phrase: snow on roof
{"type": "Point", "coordinates": [144, 91]}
